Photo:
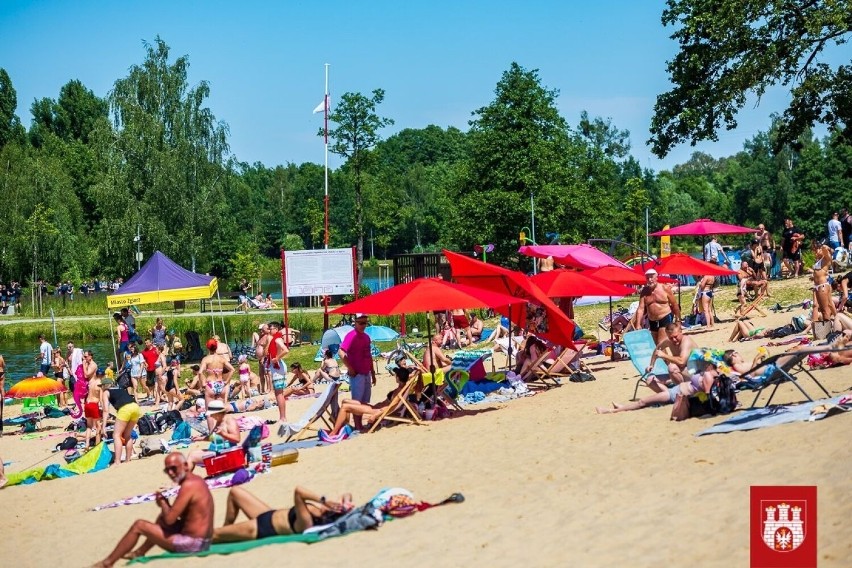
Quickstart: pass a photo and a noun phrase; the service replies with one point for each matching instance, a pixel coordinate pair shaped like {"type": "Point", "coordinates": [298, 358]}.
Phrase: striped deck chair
{"type": "Point", "coordinates": [400, 408]}
{"type": "Point", "coordinates": [324, 408]}
{"type": "Point", "coordinates": [640, 346]}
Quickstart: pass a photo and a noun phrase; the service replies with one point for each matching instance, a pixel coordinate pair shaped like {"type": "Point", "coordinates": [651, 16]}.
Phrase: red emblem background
{"type": "Point", "coordinates": [763, 556]}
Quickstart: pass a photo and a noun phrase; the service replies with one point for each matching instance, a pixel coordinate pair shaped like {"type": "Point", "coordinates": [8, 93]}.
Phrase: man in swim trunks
{"type": "Point", "coordinates": [151, 355]}
{"type": "Point", "coordinates": [674, 350]}
{"type": "Point", "coordinates": [659, 303]}
{"type": "Point", "coordinates": [92, 406]}
{"type": "Point", "coordinates": [276, 368]}
{"type": "Point", "coordinates": [184, 526]}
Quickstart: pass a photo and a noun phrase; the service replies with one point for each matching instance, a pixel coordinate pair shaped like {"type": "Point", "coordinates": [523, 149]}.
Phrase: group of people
{"type": "Point", "coordinates": [187, 523]}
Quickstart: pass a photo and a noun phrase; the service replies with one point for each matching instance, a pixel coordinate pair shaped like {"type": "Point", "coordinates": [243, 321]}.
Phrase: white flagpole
{"type": "Point", "coordinates": [326, 104]}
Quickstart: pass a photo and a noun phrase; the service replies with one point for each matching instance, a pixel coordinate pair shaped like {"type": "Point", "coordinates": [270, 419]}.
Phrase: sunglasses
{"type": "Point", "coordinates": [361, 322]}
{"type": "Point", "coordinates": [170, 468]}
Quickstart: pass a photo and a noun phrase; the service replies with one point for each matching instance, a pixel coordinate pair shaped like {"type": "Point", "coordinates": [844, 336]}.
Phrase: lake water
{"type": "Point", "coordinates": [21, 362]}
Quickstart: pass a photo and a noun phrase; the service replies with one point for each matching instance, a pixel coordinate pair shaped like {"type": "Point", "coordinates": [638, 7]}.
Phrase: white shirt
{"type": "Point", "coordinates": [46, 353]}
{"type": "Point", "coordinates": [834, 228]}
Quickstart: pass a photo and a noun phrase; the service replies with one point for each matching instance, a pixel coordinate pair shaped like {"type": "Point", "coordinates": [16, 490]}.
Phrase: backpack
{"type": "Point", "coordinates": [123, 379]}
{"type": "Point", "coordinates": [132, 336]}
{"type": "Point", "coordinates": [146, 425]}
{"type": "Point", "coordinates": [798, 323]}
{"type": "Point", "coordinates": [723, 395]}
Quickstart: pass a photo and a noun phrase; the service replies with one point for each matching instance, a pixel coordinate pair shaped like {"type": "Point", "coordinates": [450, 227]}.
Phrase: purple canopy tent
{"type": "Point", "coordinates": [163, 280]}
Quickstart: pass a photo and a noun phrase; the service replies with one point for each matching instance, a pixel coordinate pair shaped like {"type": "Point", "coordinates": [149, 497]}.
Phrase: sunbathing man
{"type": "Point", "coordinates": [433, 355]}
{"type": "Point", "coordinates": [659, 303]}
{"type": "Point", "coordinates": [309, 509]}
{"type": "Point", "coordinates": [827, 311]}
{"type": "Point", "coordinates": [185, 526]}
{"type": "Point", "coordinates": [367, 412]}
{"type": "Point", "coordinates": [674, 350]}
{"type": "Point", "coordinates": [475, 328]}
{"type": "Point", "coordinates": [697, 382]}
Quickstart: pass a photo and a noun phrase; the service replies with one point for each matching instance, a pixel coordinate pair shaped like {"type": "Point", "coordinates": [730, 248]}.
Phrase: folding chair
{"type": "Point", "coordinates": [640, 346]}
{"type": "Point", "coordinates": [400, 406]}
{"type": "Point", "coordinates": [538, 366]}
{"type": "Point", "coordinates": [324, 408]}
{"type": "Point", "coordinates": [785, 368]}
{"type": "Point", "coordinates": [559, 368]}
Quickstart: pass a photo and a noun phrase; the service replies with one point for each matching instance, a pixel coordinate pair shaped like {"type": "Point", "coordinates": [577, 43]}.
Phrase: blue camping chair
{"type": "Point", "coordinates": [640, 346]}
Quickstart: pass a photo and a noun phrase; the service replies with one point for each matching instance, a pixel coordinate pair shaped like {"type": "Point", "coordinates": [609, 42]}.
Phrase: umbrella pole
{"type": "Point", "coordinates": [611, 336]}
{"type": "Point", "coordinates": [222, 316]}
{"type": "Point", "coordinates": [111, 335]}
{"type": "Point", "coordinates": [509, 351]}
{"type": "Point", "coordinates": [431, 362]}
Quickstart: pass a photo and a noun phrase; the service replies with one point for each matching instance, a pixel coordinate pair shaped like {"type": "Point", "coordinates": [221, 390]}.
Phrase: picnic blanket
{"type": "Point", "coordinates": [387, 504]}
{"type": "Point", "coordinates": [225, 480]}
{"type": "Point", "coordinates": [755, 418]}
{"type": "Point", "coordinates": [96, 459]}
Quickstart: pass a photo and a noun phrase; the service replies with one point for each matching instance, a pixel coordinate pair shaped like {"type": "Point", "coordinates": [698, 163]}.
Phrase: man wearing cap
{"type": "Point", "coordinates": [277, 370]}
{"type": "Point", "coordinates": [356, 355]}
{"type": "Point", "coordinates": [224, 433]}
{"type": "Point", "coordinates": [183, 526]}
{"type": "Point", "coordinates": [658, 302]}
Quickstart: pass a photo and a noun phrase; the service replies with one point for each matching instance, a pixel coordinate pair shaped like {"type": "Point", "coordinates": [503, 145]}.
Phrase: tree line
{"type": "Point", "coordinates": [151, 157]}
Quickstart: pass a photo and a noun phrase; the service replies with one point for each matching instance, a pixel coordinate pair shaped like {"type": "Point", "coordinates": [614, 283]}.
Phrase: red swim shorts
{"type": "Point", "coordinates": [92, 410]}
{"type": "Point", "coordinates": [460, 322]}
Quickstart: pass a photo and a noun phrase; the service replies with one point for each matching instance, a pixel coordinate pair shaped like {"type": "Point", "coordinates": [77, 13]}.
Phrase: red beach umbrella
{"type": "Point", "coordinates": [685, 265]}
{"type": "Point", "coordinates": [542, 316]}
{"type": "Point", "coordinates": [561, 283]}
{"type": "Point", "coordinates": [703, 227]}
{"type": "Point", "coordinates": [426, 295]}
{"type": "Point", "coordinates": [618, 274]}
{"type": "Point", "coordinates": [35, 387]}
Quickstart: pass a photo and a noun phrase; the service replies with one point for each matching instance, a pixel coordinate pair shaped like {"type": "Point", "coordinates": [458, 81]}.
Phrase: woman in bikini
{"type": "Point", "coordinates": [329, 370]}
{"type": "Point", "coordinates": [301, 383]}
{"type": "Point", "coordinates": [827, 311]}
{"type": "Point", "coordinates": [309, 509]}
{"type": "Point", "coordinates": [705, 298]}
{"type": "Point", "coordinates": [243, 389]}
{"type": "Point", "coordinates": [216, 372]}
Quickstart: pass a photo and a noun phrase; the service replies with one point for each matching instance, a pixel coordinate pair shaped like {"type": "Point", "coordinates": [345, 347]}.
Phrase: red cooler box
{"type": "Point", "coordinates": [226, 461]}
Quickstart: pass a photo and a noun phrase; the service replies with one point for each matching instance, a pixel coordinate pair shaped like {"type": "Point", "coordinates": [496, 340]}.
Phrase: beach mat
{"type": "Point", "coordinates": [232, 547]}
{"type": "Point", "coordinates": [755, 418]}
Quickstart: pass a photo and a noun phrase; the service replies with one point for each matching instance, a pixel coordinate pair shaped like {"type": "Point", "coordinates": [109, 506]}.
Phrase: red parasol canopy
{"type": "Point", "coordinates": [685, 265]}
{"type": "Point", "coordinates": [35, 387]}
{"type": "Point", "coordinates": [548, 322]}
{"type": "Point", "coordinates": [618, 274]}
{"type": "Point", "coordinates": [426, 295]}
{"type": "Point", "coordinates": [641, 267]}
{"type": "Point", "coordinates": [702, 227]}
{"type": "Point", "coordinates": [561, 283]}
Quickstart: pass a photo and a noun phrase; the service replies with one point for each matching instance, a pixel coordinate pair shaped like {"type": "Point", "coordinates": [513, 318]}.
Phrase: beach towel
{"type": "Point", "coordinates": [388, 504]}
{"type": "Point", "coordinates": [226, 480]}
{"type": "Point", "coordinates": [96, 459]}
{"type": "Point", "coordinates": [471, 361]}
{"type": "Point", "coordinates": [755, 418]}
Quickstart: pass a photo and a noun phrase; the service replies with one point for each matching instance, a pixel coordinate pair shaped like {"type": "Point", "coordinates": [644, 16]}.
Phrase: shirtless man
{"type": "Point", "coordinates": [826, 310]}
{"type": "Point", "coordinates": [185, 526]}
{"type": "Point", "coordinates": [674, 350]}
{"type": "Point", "coordinates": [216, 373]}
{"type": "Point", "coordinates": [261, 345]}
{"type": "Point", "coordinates": [92, 407]}
{"type": "Point", "coordinates": [660, 304]}
{"type": "Point", "coordinates": [545, 264]}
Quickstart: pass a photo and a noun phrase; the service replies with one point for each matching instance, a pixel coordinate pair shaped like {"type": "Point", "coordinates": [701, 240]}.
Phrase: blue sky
{"type": "Point", "coordinates": [437, 61]}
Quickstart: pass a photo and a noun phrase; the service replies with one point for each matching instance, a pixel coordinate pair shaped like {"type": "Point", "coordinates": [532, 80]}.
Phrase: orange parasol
{"type": "Point", "coordinates": [34, 387]}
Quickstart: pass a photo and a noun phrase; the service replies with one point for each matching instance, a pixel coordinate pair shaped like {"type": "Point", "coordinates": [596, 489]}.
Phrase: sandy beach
{"type": "Point", "coordinates": [547, 483]}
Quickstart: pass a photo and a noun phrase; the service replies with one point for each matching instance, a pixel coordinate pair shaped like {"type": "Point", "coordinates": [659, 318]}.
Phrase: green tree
{"type": "Point", "coordinates": [730, 48]}
{"type": "Point", "coordinates": [356, 133]}
{"type": "Point", "coordinates": [10, 125]}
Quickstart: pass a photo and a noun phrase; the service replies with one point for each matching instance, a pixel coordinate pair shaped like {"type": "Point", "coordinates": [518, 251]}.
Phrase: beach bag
{"type": "Point", "coordinates": [123, 379]}
{"type": "Point", "coordinates": [146, 425]}
{"type": "Point", "coordinates": [723, 395]}
{"type": "Point", "coordinates": [798, 323]}
{"type": "Point", "coordinates": [821, 329]}
{"type": "Point", "coordinates": [578, 332]}
{"type": "Point", "coordinates": [182, 431]}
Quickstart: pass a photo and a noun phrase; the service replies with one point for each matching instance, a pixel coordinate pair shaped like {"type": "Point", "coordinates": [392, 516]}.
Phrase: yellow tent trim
{"type": "Point", "coordinates": [174, 295]}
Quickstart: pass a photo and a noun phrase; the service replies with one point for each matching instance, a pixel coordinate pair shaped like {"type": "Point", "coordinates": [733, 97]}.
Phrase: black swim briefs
{"type": "Point", "coordinates": [656, 325]}
{"type": "Point", "coordinates": [265, 528]}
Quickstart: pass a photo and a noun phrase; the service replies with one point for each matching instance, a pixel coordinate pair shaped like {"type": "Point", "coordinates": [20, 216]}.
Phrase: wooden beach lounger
{"type": "Point", "coordinates": [400, 409]}
{"type": "Point", "coordinates": [324, 408]}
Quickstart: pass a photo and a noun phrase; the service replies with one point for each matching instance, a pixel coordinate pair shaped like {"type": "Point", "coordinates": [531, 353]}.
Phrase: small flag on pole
{"type": "Point", "coordinates": [322, 106]}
